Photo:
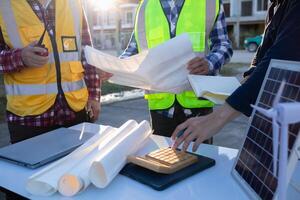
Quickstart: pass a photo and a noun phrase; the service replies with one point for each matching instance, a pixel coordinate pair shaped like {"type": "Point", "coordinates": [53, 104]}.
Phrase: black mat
{"type": "Point", "coordinates": [159, 181]}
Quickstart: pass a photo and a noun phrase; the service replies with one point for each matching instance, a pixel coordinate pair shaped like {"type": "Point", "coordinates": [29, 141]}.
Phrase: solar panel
{"type": "Point", "coordinates": [254, 165]}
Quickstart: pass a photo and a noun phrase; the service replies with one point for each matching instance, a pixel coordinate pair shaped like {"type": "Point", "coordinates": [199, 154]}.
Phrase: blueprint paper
{"type": "Point", "coordinates": [214, 88]}
{"type": "Point", "coordinates": [161, 69]}
{"type": "Point", "coordinates": [103, 171]}
{"type": "Point", "coordinates": [70, 175]}
{"type": "Point", "coordinates": [76, 180]}
{"type": "Point", "coordinates": [44, 182]}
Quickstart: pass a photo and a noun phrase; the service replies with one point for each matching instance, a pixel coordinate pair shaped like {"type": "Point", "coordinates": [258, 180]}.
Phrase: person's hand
{"type": "Point", "coordinates": [203, 128]}
{"type": "Point", "coordinates": [31, 59]}
{"type": "Point", "coordinates": [197, 128]}
{"type": "Point", "coordinates": [104, 76]}
{"type": "Point", "coordinates": [198, 66]}
{"type": "Point", "coordinates": [93, 109]}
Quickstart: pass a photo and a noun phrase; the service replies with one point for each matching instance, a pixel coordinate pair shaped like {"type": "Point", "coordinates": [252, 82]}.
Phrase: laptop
{"type": "Point", "coordinates": [40, 150]}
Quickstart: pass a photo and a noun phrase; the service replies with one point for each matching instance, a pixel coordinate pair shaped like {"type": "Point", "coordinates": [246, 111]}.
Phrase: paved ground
{"type": "Point", "coordinates": [117, 113]}
{"type": "Point", "coordinates": [4, 137]}
{"type": "Point", "coordinates": [231, 135]}
{"type": "Point", "coordinates": [242, 56]}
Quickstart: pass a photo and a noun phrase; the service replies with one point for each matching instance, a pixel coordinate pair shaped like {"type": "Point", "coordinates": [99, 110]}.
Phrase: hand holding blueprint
{"type": "Point", "coordinates": [161, 69]}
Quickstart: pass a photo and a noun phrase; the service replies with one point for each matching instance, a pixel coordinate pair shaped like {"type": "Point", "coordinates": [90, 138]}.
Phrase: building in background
{"type": "Point", "coordinates": [107, 24]}
{"type": "Point", "coordinates": [245, 18]}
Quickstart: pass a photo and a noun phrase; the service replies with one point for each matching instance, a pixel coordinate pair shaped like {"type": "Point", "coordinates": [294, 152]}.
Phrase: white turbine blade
{"type": "Point", "coordinates": [279, 93]}
{"type": "Point", "coordinates": [275, 130]}
{"type": "Point", "coordinates": [268, 113]}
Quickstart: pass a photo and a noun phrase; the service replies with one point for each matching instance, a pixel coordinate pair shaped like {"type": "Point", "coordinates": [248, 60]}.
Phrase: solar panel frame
{"type": "Point", "coordinates": [293, 156]}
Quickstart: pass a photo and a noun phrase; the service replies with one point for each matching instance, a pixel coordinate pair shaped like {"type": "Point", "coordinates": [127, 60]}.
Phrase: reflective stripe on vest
{"type": "Point", "coordinates": [77, 27]}
{"type": "Point", "coordinates": [213, 7]}
{"type": "Point", "coordinates": [149, 15]}
{"type": "Point", "coordinates": [139, 28]}
{"type": "Point", "coordinates": [40, 89]}
{"type": "Point", "coordinates": [9, 19]}
{"type": "Point", "coordinates": [64, 57]}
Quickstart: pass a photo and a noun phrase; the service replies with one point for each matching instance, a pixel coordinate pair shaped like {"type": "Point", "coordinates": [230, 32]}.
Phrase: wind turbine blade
{"type": "Point", "coordinates": [268, 113]}
{"type": "Point", "coordinates": [279, 93]}
{"type": "Point", "coordinates": [275, 130]}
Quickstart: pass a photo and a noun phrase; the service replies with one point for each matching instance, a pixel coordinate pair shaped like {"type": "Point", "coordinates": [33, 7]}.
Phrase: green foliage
{"type": "Point", "coordinates": [108, 88]}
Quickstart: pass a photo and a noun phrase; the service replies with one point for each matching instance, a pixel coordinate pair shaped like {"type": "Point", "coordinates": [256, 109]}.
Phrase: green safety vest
{"type": "Point", "coordinates": [152, 28]}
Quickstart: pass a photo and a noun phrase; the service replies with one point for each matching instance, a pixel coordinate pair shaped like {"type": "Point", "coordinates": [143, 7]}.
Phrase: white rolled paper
{"type": "Point", "coordinates": [113, 158]}
{"type": "Point", "coordinates": [44, 182]}
{"type": "Point", "coordinates": [77, 179]}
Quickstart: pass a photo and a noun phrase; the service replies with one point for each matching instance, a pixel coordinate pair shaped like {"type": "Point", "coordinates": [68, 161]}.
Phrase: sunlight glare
{"type": "Point", "coordinates": [103, 4]}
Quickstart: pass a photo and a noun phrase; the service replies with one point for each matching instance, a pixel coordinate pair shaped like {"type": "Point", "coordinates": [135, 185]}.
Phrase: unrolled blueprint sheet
{"type": "Point", "coordinates": [161, 69]}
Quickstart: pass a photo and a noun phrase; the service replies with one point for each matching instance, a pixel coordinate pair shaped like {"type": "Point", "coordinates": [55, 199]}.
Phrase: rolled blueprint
{"type": "Point", "coordinates": [113, 159]}
{"type": "Point", "coordinates": [77, 179]}
{"type": "Point", "coordinates": [44, 182]}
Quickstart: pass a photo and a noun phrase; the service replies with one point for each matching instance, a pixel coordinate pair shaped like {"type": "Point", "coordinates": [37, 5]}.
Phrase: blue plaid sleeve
{"type": "Point", "coordinates": [220, 45]}
{"type": "Point", "coordinates": [131, 48]}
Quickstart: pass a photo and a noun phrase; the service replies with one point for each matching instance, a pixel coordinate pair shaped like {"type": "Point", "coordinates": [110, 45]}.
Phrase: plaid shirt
{"type": "Point", "coordinates": [60, 113]}
{"type": "Point", "coordinates": [220, 45]}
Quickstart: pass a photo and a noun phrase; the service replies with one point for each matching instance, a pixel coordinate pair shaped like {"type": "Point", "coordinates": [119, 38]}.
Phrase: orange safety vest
{"type": "Point", "coordinates": [33, 90]}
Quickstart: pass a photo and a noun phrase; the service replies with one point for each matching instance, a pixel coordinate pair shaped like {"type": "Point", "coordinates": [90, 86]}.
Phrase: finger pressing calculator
{"type": "Point", "coordinates": [165, 161]}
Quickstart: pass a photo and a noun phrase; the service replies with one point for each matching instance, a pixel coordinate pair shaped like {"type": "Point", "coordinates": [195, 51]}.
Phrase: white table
{"type": "Point", "coordinates": [214, 183]}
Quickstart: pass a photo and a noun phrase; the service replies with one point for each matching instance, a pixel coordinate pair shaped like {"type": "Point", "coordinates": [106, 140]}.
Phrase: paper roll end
{"type": "Point", "coordinates": [97, 175]}
{"type": "Point", "coordinates": [69, 185]}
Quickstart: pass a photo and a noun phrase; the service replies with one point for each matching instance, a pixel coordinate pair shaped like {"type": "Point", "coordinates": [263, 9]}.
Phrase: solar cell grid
{"type": "Point", "coordinates": [255, 161]}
